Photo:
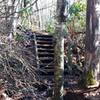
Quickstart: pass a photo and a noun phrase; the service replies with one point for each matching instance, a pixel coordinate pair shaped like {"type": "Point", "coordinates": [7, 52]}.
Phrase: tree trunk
{"type": "Point", "coordinates": [59, 51]}
{"type": "Point", "coordinates": [93, 37]}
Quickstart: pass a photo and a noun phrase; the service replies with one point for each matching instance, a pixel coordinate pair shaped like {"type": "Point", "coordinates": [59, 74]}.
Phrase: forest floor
{"type": "Point", "coordinates": [73, 92]}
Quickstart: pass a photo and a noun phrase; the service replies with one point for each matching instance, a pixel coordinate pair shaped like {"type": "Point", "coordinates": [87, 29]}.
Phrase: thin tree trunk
{"type": "Point", "coordinates": [59, 51]}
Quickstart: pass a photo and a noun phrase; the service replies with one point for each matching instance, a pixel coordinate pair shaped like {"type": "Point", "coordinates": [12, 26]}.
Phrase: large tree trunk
{"type": "Point", "coordinates": [93, 37]}
{"type": "Point", "coordinates": [59, 51]}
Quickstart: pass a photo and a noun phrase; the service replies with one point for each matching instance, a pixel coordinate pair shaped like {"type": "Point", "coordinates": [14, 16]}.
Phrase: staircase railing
{"type": "Point", "coordinates": [36, 52]}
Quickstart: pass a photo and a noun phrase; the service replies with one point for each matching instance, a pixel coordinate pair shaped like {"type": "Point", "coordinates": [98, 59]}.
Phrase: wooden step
{"type": "Point", "coordinates": [49, 74]}
{"type": "Point", "coordinates": [46, 49]}
{"type": "Point", "coordinates": [41, 53]}
{"type": "Point", "coordinates": [46, 61]}
{"type": "Point", "coordinates": [43, 58]}
{"type": "Point", "coordinates": [44, 42]}
{"type": "Point", "coordinates": [45, 46]}
{"type": "Point", "coordinates": [43, 39]}
{"type": "Point", "coordinates": [45, 55]}
{"type": "Point", "coordinates": [44, 36]}
{"type": "Point", "coordinates": [42, 50]}
{"type": "Point", "coordinates": [46, 58]}
{"type": "Point", "coordinates": [47, 66]}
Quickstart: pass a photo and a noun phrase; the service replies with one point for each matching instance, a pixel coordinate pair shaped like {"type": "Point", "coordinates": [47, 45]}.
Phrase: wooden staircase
{"type": "Point", "coordinates": [45, 54]}
{"type": "Point", "coordinates": [44, 45]}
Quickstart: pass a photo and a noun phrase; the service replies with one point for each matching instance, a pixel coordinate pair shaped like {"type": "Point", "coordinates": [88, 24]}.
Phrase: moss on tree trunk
{"type": "Point", "coordinates": [59, 51]}
{"type": "Point", "coordinates": [59, 63]}
{"type": "Point", "coordinates": [93, 38]}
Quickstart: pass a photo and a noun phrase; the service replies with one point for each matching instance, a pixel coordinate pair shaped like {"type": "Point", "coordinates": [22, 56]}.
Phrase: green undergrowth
{"type": "Point", "coordinates": [87, 79]}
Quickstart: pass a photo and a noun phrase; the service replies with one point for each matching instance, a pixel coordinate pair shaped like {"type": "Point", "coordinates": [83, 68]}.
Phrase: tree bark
{"type": "Point", "coordinates": [59, 51]}
{"type": "Point", "coordinates": [93, 37]}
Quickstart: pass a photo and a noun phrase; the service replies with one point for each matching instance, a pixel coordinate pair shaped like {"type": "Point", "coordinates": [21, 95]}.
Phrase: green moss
{"type": "Point", "coordinates": [87, 79]}
{"type": "Point", "coordinates": [90, 78]}
{"type": "Point", "coordinates": [19, 38]}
